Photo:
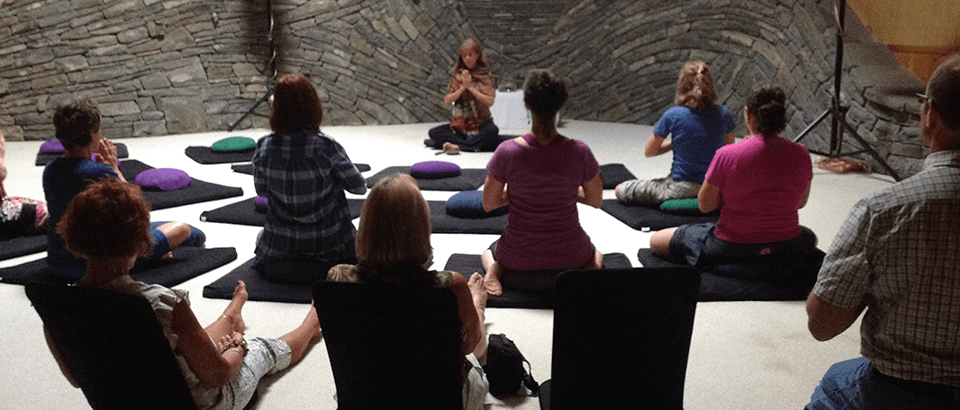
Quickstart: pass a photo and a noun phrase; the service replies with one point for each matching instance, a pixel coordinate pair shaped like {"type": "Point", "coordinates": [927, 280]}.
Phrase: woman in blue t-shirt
{"type": "Point", "coordinates": [697, 128]}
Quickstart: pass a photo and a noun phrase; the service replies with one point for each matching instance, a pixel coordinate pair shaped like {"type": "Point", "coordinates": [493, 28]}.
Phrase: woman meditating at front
{"type": "Point", "coordinates": [541, 176]}
{"type": "Point", "coordinates": [393, 246]}
{"type": "Point", "coordinates": [108, 225]}
{"type": "Point", "coordinates": [761, 182]}
{"type": "Point", "coordinates": [471, 92]}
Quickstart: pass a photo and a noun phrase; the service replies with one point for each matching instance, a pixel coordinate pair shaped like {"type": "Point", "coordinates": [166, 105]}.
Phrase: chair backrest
{"type": "Point", "coordinates": [622, 336]}
{"type": "Point", "coordinates": [391, 346]}
{"type": "Point", "coordinates": [113, 345]}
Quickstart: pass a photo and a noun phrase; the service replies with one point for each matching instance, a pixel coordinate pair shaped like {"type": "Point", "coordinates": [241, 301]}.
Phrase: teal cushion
{"type": "Point", "coordinates": [469, 204]}
{"type": "Point", "coordinates": [234, 144]}
{"type": "Point", "coordinates": [684, 206]}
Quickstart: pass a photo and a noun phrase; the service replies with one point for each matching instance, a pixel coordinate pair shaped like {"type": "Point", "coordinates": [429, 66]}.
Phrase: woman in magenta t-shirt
{"type": "Point", "coordinates": [761, 182]}
{"type": "Point", "coordinates": [546, 174]}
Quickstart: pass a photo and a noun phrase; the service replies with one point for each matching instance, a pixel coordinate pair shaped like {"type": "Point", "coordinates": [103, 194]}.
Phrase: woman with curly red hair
{"type": "Point", "coordinates": [108, 225]}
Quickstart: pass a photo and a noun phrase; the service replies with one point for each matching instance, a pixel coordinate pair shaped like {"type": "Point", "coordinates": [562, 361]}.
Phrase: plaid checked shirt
{"type": "Point", "coordinates": [898, 254]}
{"type": "Point", "coordinates": [304, 177]}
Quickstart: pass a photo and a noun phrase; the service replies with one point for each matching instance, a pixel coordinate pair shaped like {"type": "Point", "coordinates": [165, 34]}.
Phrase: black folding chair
{"type": "Point", "coordinates": [621, 337]}
{"type": "Point", "coordinates": [390, 346]}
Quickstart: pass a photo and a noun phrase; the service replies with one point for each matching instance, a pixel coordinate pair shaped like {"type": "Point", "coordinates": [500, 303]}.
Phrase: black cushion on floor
{"type": "Point", "coordinates": [206, 155]}
{"type": "Point", "coordinates": [441, 222]}
{"type": "Point", "coordinates": [44, 157]}
{"type": "Point", "coordinates": [22, 245]}
{"type": "Point", "coordinates": [245, 212]}
{"type": "Point", "coordinates": [197, 191]}
{"type": "Point", "coordinates": [614, 174]}
{"type": "Point", "coordinates": [248, 168]}
{"type": "Point", "coordinates": [466, 265]}
{"type": "Point", "coordinates": [187, 263]}
{"type": "Point", "coordinates": [469, 179]}
{"type": "Point", "coordinates": [258, 287]}
{"type": "Point", "coordinates": [773, 279]}
{"type": "Point", "coordinates": [638, 216]}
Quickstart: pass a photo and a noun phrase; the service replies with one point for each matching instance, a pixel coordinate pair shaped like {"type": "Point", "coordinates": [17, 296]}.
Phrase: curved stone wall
{"type": "Point", "coordinates": [162, 67]}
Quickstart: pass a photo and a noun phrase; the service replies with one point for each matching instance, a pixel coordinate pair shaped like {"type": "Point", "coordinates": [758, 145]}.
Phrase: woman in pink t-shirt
{"type": "Point", "coordinates": [761, 182]}
{"type": "Point", "coordinates": [546, 174]}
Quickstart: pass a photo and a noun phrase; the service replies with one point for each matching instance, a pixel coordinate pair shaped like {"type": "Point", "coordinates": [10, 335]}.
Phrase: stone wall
{"type": "Point", "coordinates": [179, 66]}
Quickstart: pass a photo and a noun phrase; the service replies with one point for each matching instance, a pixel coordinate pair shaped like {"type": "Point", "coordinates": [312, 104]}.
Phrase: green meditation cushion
{"type": "Point", "coordinates": [683, 206]}
{"type": "Point", "coordinates": [234, 144]}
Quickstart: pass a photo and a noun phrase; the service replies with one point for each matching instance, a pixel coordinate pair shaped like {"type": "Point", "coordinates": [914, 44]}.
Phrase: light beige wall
{"type": "Point", "coordinates": [918, 32]}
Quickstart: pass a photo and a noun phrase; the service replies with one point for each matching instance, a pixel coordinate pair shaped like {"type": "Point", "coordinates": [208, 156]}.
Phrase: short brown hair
{"type": "Point", "coordinates": [944, 91]}
{"type": "Point", "coordinates": [394, 226]}
{"type": "Point", "coordinates": [75, 122]}
{"type": "Point", "coordinates": [296, 105]}
{"type": "Point", "coordinates": [695, 88]}
{"type": "Point", "coordinates": [109, 218]}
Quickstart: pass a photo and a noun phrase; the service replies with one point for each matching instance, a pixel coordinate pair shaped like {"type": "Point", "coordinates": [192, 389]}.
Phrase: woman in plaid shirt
{"type": "Point", "coordinates": [303, 173]}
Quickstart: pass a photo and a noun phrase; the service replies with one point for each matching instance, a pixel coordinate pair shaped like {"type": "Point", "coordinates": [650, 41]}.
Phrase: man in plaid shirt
{"type": "Point", "coordinates": [897, 256]}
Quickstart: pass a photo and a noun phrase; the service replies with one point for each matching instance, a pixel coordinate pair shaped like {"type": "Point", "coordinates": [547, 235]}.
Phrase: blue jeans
{"type": "Point", "coordinates": [854, 384]}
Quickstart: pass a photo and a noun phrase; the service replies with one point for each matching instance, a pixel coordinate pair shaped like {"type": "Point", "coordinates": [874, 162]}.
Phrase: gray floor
{"type": "Point", "coordinates": [744, 355]}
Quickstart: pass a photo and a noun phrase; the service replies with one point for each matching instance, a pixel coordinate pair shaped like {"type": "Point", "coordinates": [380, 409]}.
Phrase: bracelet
{"type": "Point", "coordinates": [242, 344]}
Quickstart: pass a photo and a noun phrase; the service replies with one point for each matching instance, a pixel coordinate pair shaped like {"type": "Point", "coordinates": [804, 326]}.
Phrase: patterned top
{"type": "Point", "coordinates": [468, 112]}
{"type": "Point", "coordinates": [898, 255]}
{"type": "Point", "coordinates": [303, 176]}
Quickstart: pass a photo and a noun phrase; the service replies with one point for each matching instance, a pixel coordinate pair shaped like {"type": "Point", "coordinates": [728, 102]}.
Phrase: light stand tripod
{"type": "Point", "coordinates": [271, 65]}
{"type": "Point", "coordinates": [839, 121]}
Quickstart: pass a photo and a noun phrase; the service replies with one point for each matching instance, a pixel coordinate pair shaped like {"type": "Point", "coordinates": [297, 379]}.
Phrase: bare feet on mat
{"type": "Point", "coordinates": [491, 280]}
{"type": "Point", "coordinates": [233, 310]}
{"type": "Point", "coordinates": [478, 291]}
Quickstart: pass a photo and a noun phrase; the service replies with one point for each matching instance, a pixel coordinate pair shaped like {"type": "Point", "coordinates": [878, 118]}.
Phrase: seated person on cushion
{"type": "Point", "coordinates": [545, 174]}
{"type": "Point", "coordinates": [18, 216]}
{"type": "Point", "coordinates": [221, 368]}
{"type": "Point", "coordinates": [303, 173]}
{"type": "Point", "coordinates": [761, 182]}
{"type": "Point", "coordinates": [77, 125]}
{"type": "Point", "coordinates": [698, 128]}
{"type": "Point", "coordinates": [393, 246]}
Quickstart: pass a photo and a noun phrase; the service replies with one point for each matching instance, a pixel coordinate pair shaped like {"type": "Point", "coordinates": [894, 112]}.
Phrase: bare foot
{"type": "Point", "coordinates": [451, 148]}
{"type": "Point", "coordinates": [312, 321]}
{"type": "Point", "coordinates": [233, 310]}
{"type": "Point", "coordinates": [491, 281]}
{"type": "Point", "coordinates": [478, 291]}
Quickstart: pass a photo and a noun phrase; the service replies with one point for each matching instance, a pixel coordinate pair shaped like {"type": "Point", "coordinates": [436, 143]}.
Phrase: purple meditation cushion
{"type": "Point", "coordinates": [164, 179]}
{"type": "Point", "coordinates": [260, 204]}
{"type": "Point", "coordinates": [434, 170]}
{"type": "Point", "coordinates": [52, 146]}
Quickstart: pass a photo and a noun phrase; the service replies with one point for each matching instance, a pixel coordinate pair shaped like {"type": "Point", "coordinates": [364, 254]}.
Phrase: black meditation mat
{"type": "Point", "coordinates": [614, 174]}
{"type": "Point", "coordinates": [639, 216]}
{"type": "Point", "coordinates": [466, 265]}
{"type": "Point", "coordinates": [245, 212]}
{"type": "Point", "coordinates": [206, 155]}
{"type": "Point", "coordinates": [791, 278]}
{"type": "Point", "coordinates": [44, 157]}
{"type": "Point", "coordinates": [187, 263]}
{"type": "Point", "coordinates": [22, 245]}
{"type": "Point", "coordinates": [197, 191]}
{"type": "Point", "coordinates": [248, 168]}
{"type": "Point", "coordinates": [258, 287]}
{"type": "Point", "coordinates": [469, 179]}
